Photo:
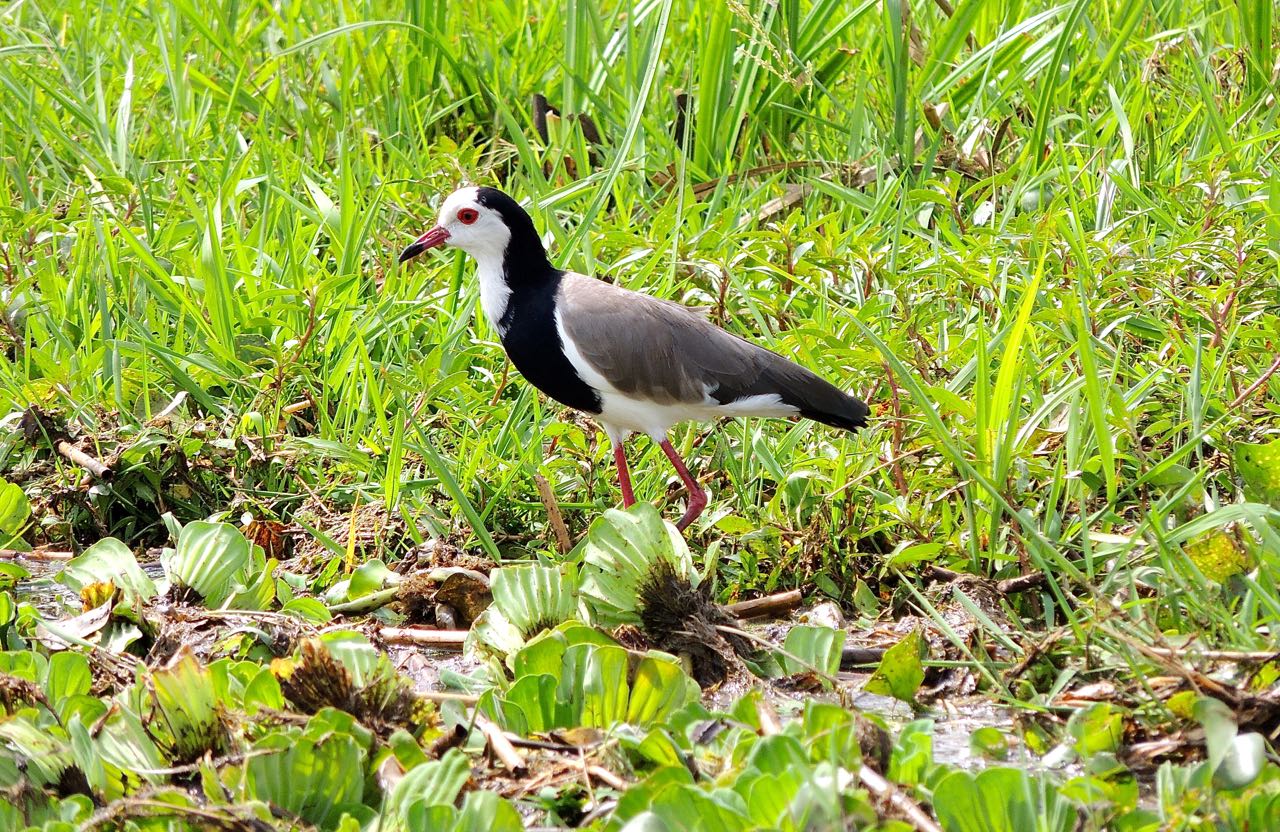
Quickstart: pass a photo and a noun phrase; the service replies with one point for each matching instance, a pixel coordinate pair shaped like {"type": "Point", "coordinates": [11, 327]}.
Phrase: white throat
{"type": "Point", "coordinates": [494, 291]}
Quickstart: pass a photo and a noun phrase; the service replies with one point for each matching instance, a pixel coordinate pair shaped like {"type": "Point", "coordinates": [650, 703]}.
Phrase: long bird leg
{"type": "Point", "coordinates": [697, 497]}
{"type": "Point", "coordinates": [624, 475]}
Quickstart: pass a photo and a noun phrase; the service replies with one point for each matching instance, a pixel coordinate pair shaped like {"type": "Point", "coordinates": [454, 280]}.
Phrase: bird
{"type": "Point", "coordinates": [633, 362]}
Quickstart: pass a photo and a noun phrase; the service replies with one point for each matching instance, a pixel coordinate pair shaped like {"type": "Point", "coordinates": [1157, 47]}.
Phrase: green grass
{"type": "Point", "coordinates": [1058, 285]}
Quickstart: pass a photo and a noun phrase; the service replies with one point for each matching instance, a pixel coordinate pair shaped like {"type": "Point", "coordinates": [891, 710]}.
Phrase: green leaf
{"type": "Point", "coordinates": [208, 557]}
{"type": "Point", "coordinates": [41, 754]}
{"type": "Point", "coordinates": [659, 688]}
{"type": "Point", "coordinates": [914, 553]}
{"type": "Point", "coordinates": [486, 812]}
{"type": "Point", "coordinates": [818, 648]}
{"type": "Point", "coordinates": [188, 704]}
{"type": "Point", "coordinates": [67, 676]}
{"type": "Point", "coordinates": [527, 600]}
{"type": "Point", "coordinates": [1259, 470]}
{"type": "Point", "coordinates": [1243, 762]}
{"type": "Point", "coordinates": [619, 554]}
{"type": "Point", "coordinates": [1000, 800]}
{"type": "Point", "coordinates": [1220, 728]}
{"type": "Point", "coordinates": [312, 777]}
{"type": "Point", "coordinates": [15, 509]}
{"type": "Point", "coordinates": [109, 560]}
{"type": "Point", "coordinates": [901, 671]}
{"type": "Point", "coordinates": [436, 783]}
{"type": "Point", "coordinates": [560, 685]}
{"type": "Point", "coordinates": [1098, 728]}
{"type": "Point", "coordinates": [989, 742]}
{"type": "Point", "coordinates": [1217, 555]}
{"type": "Point", "coordinates": [533, 598]}
{"type": "Point", "coordinates": [308, 609]}
{"type": "Point", "coordinates": [368, 577]}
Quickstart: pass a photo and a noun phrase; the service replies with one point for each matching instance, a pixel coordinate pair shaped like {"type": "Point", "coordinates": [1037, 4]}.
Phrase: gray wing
{"type": "Point", "coordinates": [668, 353]}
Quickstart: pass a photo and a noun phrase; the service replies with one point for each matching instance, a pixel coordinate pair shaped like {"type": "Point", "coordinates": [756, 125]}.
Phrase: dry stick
{"type": "Point", "coordinates": [444, 639]}
{"type": "Point", "coordinates": [851, 657]}
{"type": "Point", "coordinates": [947, 9]}
{"type": "Point", "coordinates": [160, 810]}
{"type": "Point", "coordinates": [1216, 655]}
{"type": "Point", "coordinates": [447, 740]}
{"type": "Point", "coordinates": [500, 745]}
{"type": "Point", "coordinates": [14, 554]}
{"type": "Point", "coordinates": [449, 696]}
{"type": "Point", "coordinates": [1253, 388]}
{"type": "Point", "coordinates": [1022, 583]}
{"type": "Point", "coordinates": [775, 604]}
{"type": "Point", "coordinates": [888, 792]}
{"type": "Point", "coordinates": [541, 745]}
{"type": "Point", "coordinates": [1008, 586]}
{"type": "Point", "coordinates": [607, 777]}
{"type": "Point", "coordinates": [1166, 658]}
{"type": "Point", "coordinates": [549, 502]}
{"type": "Point", "coordinates": [899, 478]}
{"type": "Point", "coordinates": [88, 463]}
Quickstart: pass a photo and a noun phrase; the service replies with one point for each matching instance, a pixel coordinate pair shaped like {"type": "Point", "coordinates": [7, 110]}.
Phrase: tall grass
{"type": "Point", "coordinates": [1040, 238]}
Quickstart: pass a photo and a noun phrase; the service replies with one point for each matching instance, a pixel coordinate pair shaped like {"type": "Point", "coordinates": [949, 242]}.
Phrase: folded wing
{"type": "Point", "coordinates": [663, 352]}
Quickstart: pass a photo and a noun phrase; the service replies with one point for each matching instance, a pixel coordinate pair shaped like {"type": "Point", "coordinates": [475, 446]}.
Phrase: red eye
{"type": "Point", "coordinates": [468, 215]}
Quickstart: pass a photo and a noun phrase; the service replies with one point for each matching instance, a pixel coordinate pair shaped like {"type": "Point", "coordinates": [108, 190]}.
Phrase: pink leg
{"type": "Point", "coordinates": [697, 497]}
{"type": "Point", "coordinates": [624, 475]}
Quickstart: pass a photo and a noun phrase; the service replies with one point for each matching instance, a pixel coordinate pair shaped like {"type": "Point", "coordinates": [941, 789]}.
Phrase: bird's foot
{"type": "Point", "coordinates": [697, 503]}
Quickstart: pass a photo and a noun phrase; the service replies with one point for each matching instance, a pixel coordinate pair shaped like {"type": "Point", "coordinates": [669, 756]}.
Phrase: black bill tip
{"type": "Point", "coordinates": [411, 251]}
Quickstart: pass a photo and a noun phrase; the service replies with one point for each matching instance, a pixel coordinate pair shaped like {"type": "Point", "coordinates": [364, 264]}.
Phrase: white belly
{"type": "Point", "coordinates": [621, 414]}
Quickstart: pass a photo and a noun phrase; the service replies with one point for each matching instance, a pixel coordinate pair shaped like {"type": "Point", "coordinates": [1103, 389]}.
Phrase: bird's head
{"type": "Point", "coordinates": [483, 222]}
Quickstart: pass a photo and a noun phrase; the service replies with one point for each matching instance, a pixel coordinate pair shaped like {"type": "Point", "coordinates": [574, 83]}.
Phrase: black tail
{"type": "Point", "coordinates": [819, 400]}
{"type": "Point", "coordinates": [812, 395]}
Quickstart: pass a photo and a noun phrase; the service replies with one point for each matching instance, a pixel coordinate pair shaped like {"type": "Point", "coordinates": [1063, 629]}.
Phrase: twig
{"type": "Point", "coordinates": [769, 605]}
{"type": "Point", "coordinates": [88, 463]}
{"type": "Point", "coordinates": [541, 745]}
{"type": "Point", "coordinates": [447, 740]}
{"type": "Point", "coordinates": [502, 384]}
{"type": "Point", "coordinates": [1022, 583]}
{"type": "Point", "coordinates": [1037, 650]}
{"type": "Point", "coordinates": [15, 554]}
{"type": "Point", "coordinates": [889, 793]}
{"type": "Point", "coordinates": [1217, 655]}
{"type": "Point", "coordinates": [899, 478]}
{"type": "Point", "coordinates": [1253, 388]}
{"type": "Point", "coordinates": [607, 777]}
{"type": "Point", "coordinates": [1166, 657]}
{"type": "Point", "coordinates": [444, 639]}
{"type": "Point", "coordinates": [500, 745]}
{"type": "Point", "coordinates": [851, 657]}
{"type": "Point", "coordinates": [949, 11]}
{"type": "Point", "coordinates": [1008, 586]}
{"type": "Point", "coordinates": [448, 696]}
{"type": "Point", "coordinates": [792, 195]}
{"type": "Point", "coordinates": [552, 505]}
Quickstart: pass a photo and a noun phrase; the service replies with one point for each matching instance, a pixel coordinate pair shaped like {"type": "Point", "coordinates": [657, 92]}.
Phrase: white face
{"type": "Point", "coordinates": [477, 230]}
